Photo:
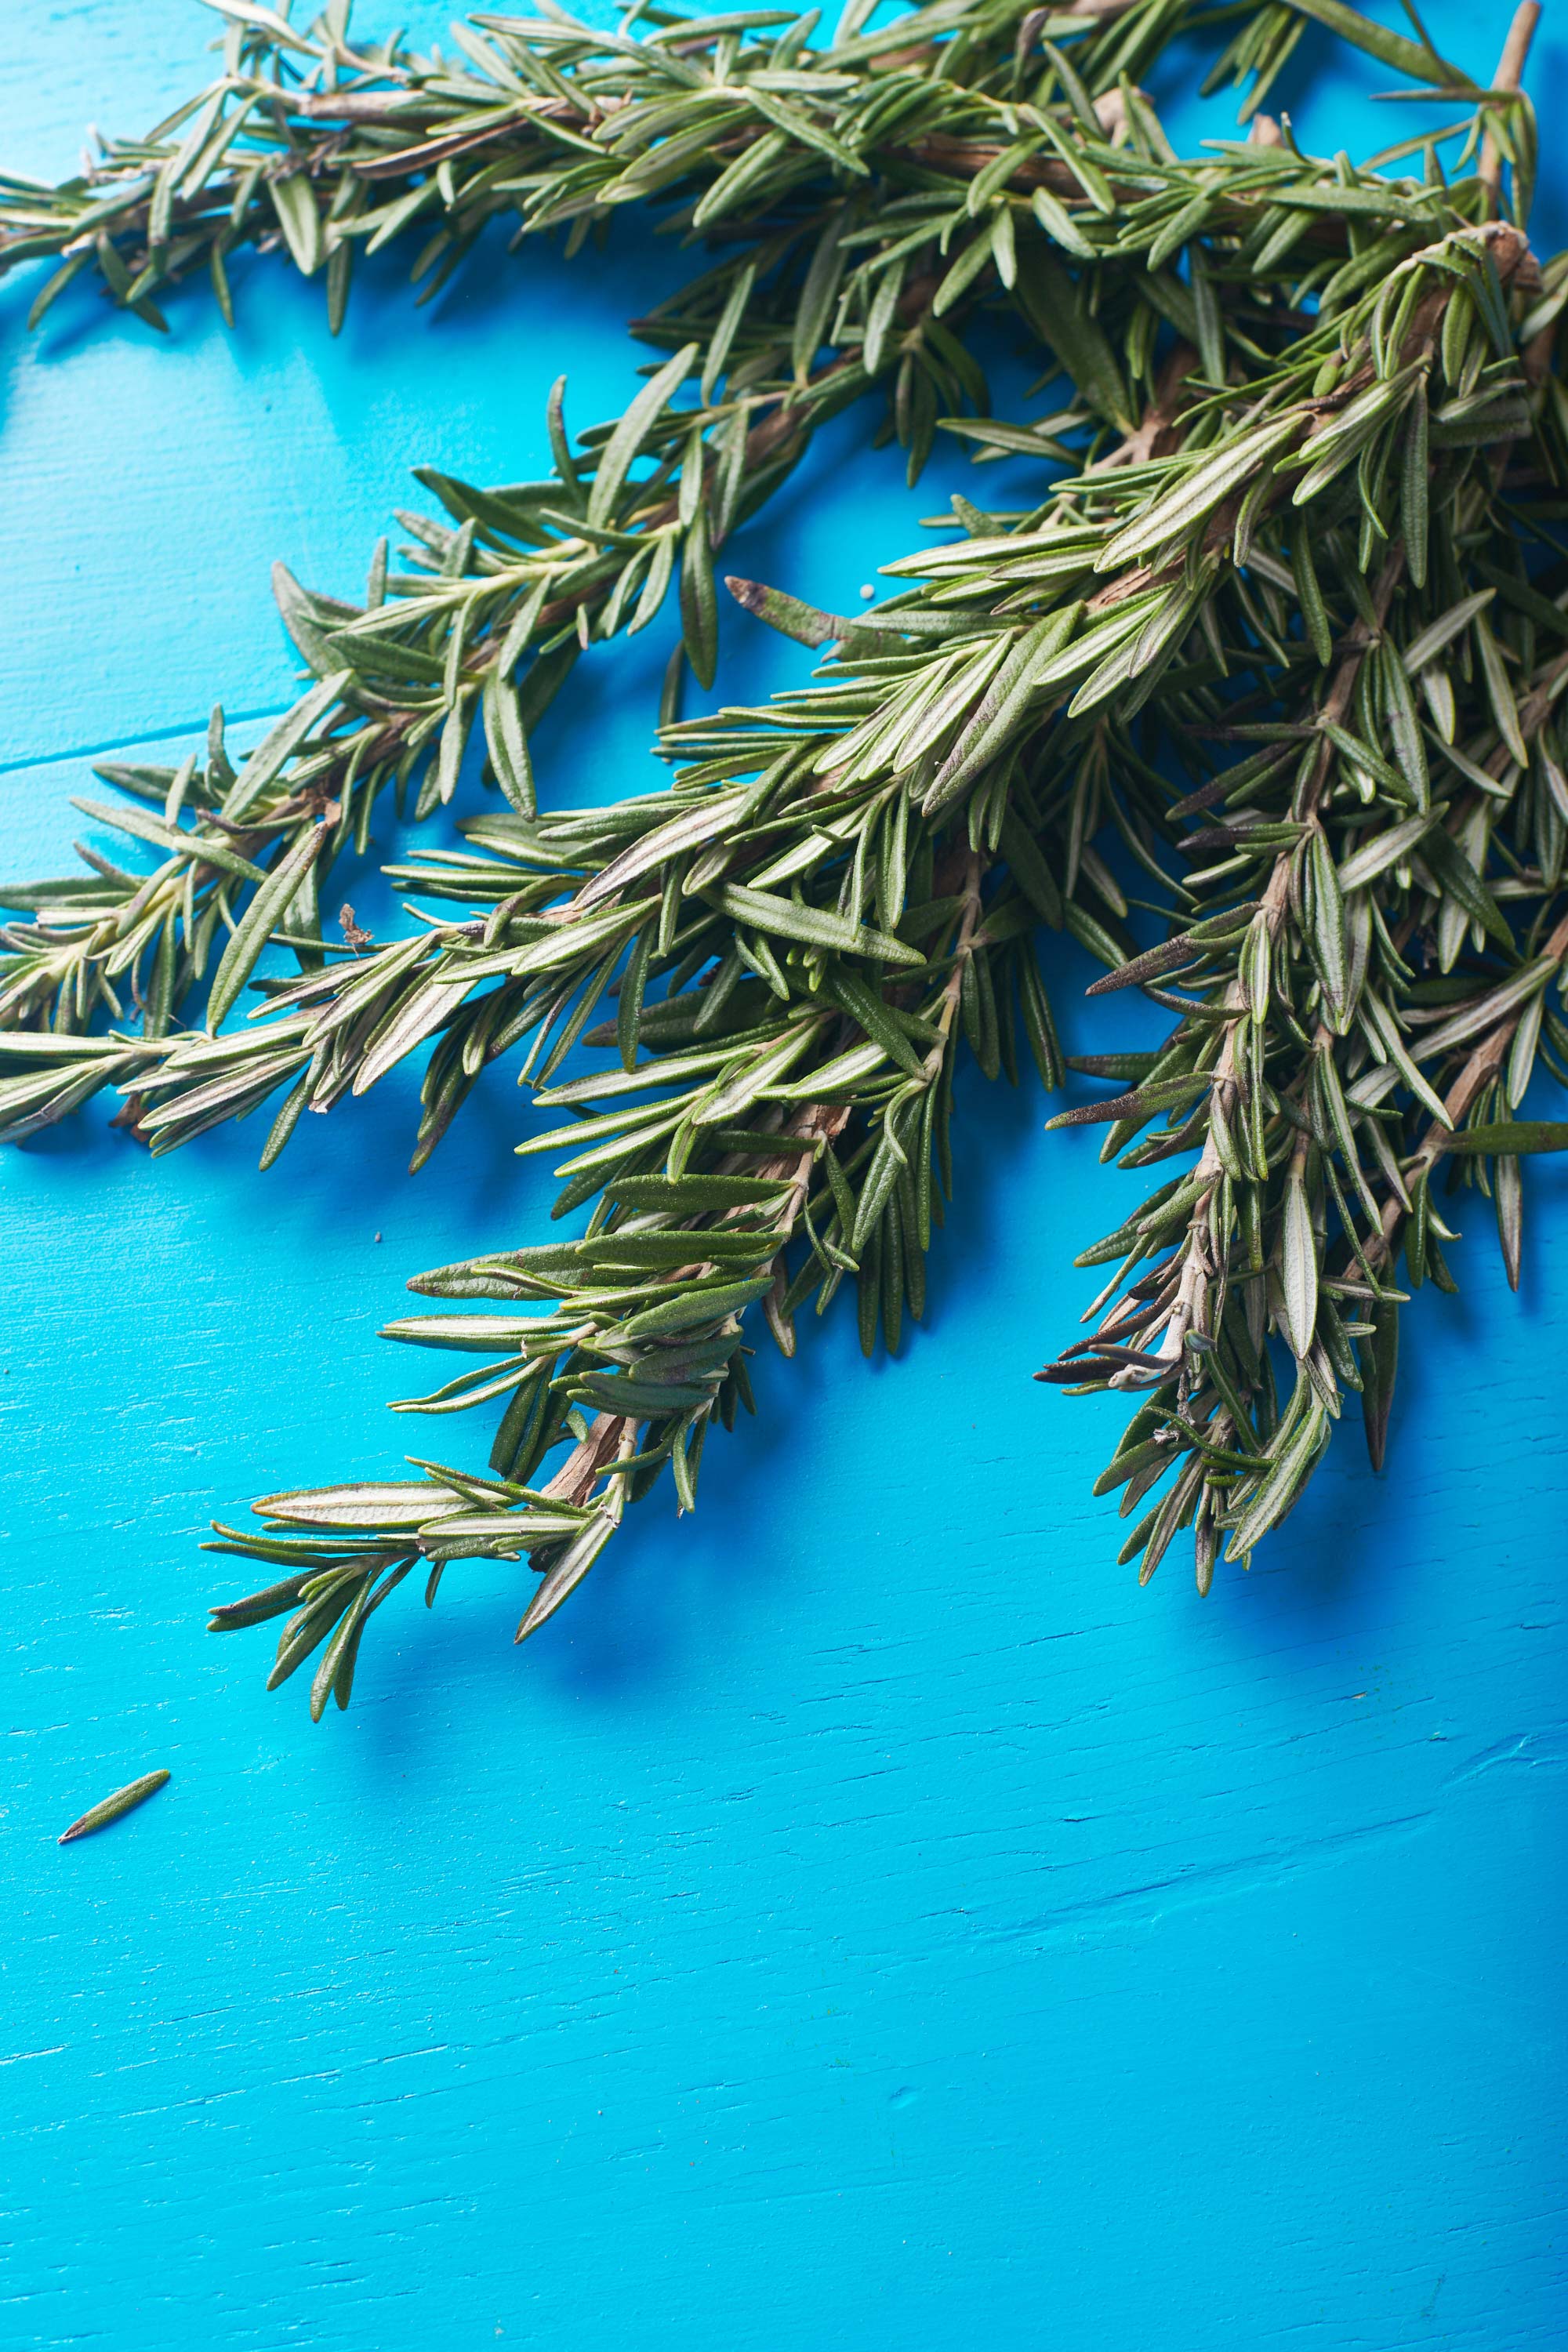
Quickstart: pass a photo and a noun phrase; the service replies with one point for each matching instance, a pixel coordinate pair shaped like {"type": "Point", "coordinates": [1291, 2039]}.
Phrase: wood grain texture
{"type": "Point", "coordinates": [864, 1919]}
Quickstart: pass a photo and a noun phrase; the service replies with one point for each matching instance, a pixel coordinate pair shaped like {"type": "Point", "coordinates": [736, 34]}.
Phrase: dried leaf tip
{"type": "Point", "coordinates": [123, 1801]}
{"type": "Point", "coordinates": [789, 615]}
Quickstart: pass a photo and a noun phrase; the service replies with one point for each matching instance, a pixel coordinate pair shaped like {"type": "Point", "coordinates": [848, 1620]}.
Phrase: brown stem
{"type": "Point", "coordinates": [974, 865]}
{"type": "Point", "coordinates": [829, 1121]}
{"type": "Point", "coordinates": [1509, 75]}
{"type": "Point", "coordinates": [1187, 1311]}
{"type": "Point", "coordinates": [573, 1482]}
{"type": "Point", "coordinates": [1358, 644]}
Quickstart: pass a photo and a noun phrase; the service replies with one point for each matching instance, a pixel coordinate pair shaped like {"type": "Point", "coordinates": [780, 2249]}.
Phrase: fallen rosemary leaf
{"type": "Point", "coordinates": [123, 1801]}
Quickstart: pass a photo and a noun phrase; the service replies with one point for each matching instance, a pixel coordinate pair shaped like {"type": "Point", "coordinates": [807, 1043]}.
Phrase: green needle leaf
{"type": "Point", "coordinates": [275, 896]}
{"type": "Point", "coordinates": [123, 1801]}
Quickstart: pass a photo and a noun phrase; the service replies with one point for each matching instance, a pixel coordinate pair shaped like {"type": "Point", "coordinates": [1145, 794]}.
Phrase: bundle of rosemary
{"type": "Point", "coordinates": [1283, 638]}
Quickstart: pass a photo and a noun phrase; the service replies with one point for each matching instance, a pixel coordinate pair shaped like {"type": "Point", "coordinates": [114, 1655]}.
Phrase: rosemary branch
{"type": "Point", "coordinates": [311, 144]}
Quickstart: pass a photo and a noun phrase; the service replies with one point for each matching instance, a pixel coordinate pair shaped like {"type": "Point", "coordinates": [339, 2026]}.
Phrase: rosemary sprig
{"type": "Point", "coordinates": [1336, 1050]}
{"type": "Point", "coordinates": [311, 144]}
{"type": "Point", "coordinates": [798, 1135]}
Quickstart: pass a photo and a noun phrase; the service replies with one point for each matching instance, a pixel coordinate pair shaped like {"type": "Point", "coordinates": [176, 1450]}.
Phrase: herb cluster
{"type": "Point", "coordinates": [1283, 642]}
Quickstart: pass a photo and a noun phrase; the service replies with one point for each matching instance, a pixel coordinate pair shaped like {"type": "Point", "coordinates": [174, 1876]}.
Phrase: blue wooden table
{"type": "Point", "coordinates": [863, 1919]}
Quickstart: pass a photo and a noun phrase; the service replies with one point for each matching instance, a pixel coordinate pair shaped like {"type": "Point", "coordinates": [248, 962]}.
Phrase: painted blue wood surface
{"type": "Point", "coordinates": [863, 1919]}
